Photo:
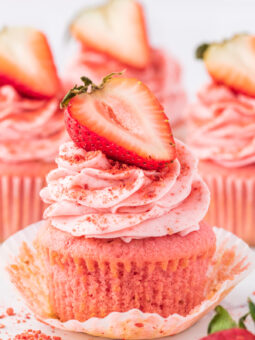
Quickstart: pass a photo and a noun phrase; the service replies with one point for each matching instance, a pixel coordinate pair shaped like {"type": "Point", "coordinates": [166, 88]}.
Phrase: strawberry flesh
{"type": "Point", "coordinates": [26, 62]}
{"type": "Point", "coordinates": [125, 38]}
{"type": "Point", "coordinates": [232, 63]}
{"type": "Point", "coordinates": [125, 121]}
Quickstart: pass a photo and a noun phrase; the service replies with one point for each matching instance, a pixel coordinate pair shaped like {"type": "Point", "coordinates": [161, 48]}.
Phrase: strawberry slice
{"type": "Point", "coordinates": [231, 62]}
{"type": "Point", "coordinates": [123, 119]}
{"type": "Point", "coordinates": [231, 334]}
{"type": "Point", "coordinates": [26, 62]}
{"type": "Point", "coordinates": [117, 29]}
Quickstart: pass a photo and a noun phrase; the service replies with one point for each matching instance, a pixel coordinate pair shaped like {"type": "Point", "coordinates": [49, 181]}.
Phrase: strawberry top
{"type": "Point", "coordinates": [123, 119]}
{"type": "Point", "coordinates": [231, 62]}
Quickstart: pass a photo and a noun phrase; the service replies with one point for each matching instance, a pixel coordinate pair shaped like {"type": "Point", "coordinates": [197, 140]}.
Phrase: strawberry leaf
{"type": "Point", "coordinates": [221, 321]}
{"type": "Point", "coordinates": [200, 51]}
{"type": "Point", "coordinates": [252, 309]}
{"type": "Point", "coordinates": [241, 321]}
{"type": "Point", "coordinates": [88, 87]}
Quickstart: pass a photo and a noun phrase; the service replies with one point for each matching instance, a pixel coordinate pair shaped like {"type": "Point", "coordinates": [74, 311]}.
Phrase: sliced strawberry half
{"type": "Point", "coordinates": [232, 62]}
{"type": "Point", "coordinates": [123, 119]}
{"type": "Point", "coordinates": [231, 334]}
{"type": "Point", "coordinates": [117, 29]}
{"type": "Point", "coordinates": [26, 62]}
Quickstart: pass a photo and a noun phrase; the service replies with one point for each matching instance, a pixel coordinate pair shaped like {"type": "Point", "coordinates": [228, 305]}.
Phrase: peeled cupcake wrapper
{"type": "Point", "coordinates": [232, 262]}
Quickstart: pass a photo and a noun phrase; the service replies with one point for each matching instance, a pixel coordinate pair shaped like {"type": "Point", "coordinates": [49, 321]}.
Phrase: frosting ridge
{"type": "Point", "coordinates": [93, 196]}
{"type": "Point", "coordinates": [29, 129]}
{"type": "Point", "coordinates": [225, 126]}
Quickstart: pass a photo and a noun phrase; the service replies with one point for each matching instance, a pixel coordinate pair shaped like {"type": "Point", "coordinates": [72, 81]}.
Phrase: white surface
{"type": "Point", "coordinates": [177, 25]}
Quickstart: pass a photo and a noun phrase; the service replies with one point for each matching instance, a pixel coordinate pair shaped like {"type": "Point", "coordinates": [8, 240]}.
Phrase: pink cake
{"type": "Point", "coordinates": [31, 129]}
{"type": "Point", "coordinates": [163, 275]}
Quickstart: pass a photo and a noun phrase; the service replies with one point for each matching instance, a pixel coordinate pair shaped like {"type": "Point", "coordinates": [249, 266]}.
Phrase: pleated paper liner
{"type": "Point", "coordinates": [232, 204]}
{"type": "Point", "coordinates": [20, 203]}
{"type": "Point", "coordinates": [232, 262]}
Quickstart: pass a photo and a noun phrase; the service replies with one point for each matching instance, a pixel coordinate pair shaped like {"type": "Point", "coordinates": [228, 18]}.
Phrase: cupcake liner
{"type": "Point", "coordinates": [232, 262]}
{"type": "Point", "coordinates": [232, 204]}
{"type": "Point", "coordinates": [20, 203]}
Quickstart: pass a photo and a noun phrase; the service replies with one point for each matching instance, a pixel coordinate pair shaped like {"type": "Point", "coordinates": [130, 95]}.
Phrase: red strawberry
{"type": "Point", "coordinates": [231, 334]}
{"type": "Point", "coordinates": [123, 119]}
{"type": "Point", "coordinates": [232, 62]}
{"type": "Point", "coordinates": [26, 62]}
{"type": "Point", "coordinates": [117, 29]}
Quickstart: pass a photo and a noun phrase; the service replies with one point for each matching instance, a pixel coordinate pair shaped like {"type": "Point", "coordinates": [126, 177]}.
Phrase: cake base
{"type": "Point", "coordinates": [94, 277]}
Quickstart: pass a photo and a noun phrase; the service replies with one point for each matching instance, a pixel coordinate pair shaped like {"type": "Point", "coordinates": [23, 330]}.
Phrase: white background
{"type": "Point", "coordinates": [177, 25]}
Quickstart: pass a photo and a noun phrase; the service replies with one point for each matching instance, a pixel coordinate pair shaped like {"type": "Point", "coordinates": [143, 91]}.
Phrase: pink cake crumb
{"type": "Point", "coordinates": [94, 277]}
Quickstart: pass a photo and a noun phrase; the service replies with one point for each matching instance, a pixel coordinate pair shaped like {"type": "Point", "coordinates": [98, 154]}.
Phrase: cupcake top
{"type": "Point", "coordinates": [117, 179]}
{"type": "Point", "coordinates": [30, 129]}
{"type": "Point", "coordinates": [225, 126]}
{"type": "Point", "coordinates": [224, 113]}
{"type": "Point", "coordinates": [31, 123]}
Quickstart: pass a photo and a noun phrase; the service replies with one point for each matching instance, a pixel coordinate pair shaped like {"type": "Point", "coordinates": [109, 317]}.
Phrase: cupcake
{"type": "Point", "coordinates": [123, 229]}
{"type": "Point", "coordinates": [222, 134]}
{"type": "Point", "coordinates": [124, 46]}
{"type": "Point", "coordinates": [31, 125]}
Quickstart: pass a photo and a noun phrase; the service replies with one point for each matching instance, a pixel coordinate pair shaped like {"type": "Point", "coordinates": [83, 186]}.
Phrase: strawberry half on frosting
{"type": "Point", "coordinates": [117, 29]}
{"type": "Point", "coordinates": [26, 62]}
{"type": "Point", "coordinates": [122, 118]}
{"type": "Point", "coordinates": [232, 62]}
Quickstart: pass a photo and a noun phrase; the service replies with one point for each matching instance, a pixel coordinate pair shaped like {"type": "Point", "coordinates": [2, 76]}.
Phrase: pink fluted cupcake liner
{"type": "Point", "coordinates": [232, 262]}
{"type": "Point", "coordinates": [20, 203]}
{"type": "Point", "coordinates": [232, 202]}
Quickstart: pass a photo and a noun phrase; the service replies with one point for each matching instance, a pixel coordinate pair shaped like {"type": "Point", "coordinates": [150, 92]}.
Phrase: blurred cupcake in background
{"type": "Point", "coordinates": [112, 38]}
{"type": "Point", "coordinates": [222, 133]}
{"type": "Point", "coordinates": [31, 124]}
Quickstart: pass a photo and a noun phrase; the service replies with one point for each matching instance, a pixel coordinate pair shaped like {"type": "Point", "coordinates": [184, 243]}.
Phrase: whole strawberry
{"type": "Point", "coordinates": [231, 334]}
{"type": "Point", "coordinates": [224, 327]}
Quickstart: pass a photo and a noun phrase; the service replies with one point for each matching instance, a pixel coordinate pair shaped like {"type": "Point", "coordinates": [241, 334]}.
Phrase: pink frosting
{"type": "Point", "coordinates": [162, 76]}
{"type": "Point", "coordinates": [29, 129]}
{"type": "Point", "coordinates": [224, 126]}
{"type": "Point", "coordinates": [93, 196]}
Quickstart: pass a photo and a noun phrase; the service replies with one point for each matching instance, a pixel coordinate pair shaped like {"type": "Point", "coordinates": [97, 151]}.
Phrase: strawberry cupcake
{"type": "Point", "coordinates": [123, 229]}
{"type": "Point", "coordinates": [31, 124]}
{"type": "Point", "coordinates": [223, 134]}
{"type": "Point", "coordinates": [124, 45]}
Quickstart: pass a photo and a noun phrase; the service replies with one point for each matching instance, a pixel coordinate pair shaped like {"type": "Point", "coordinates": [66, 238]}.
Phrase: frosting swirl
{"type": "Point", "coordinates": [93, 196]}
{"type": "Point", "coordinates": [162, 76]}
{"type": "Point", "coordinates": [29, 129]}
{"type": "Point", "coordinates": [225, 126]}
